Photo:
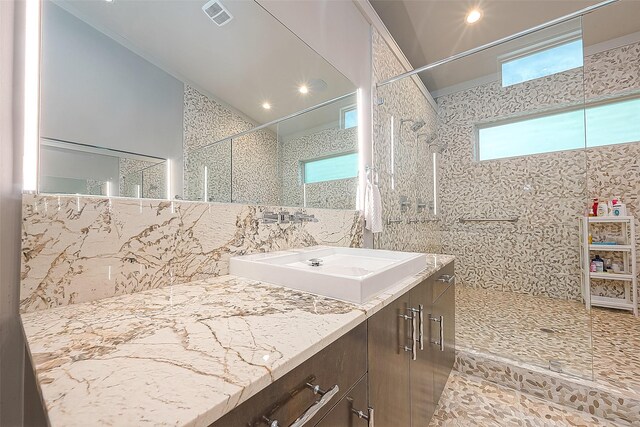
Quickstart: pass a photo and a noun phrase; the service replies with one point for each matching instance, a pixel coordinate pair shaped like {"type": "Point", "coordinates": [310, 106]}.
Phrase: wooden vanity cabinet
{"type": "Point", "coordinates": [396, 363]}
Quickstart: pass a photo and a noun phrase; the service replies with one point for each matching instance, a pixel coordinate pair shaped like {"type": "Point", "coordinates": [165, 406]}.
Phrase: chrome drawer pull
{"type": "Point", "coordinates": [447, 278]}
{"type": "Point", "coordinates": [439, 341]}
{"type": "Point", "coordinates": [313, 409]}
{"type": "Point", "coordinates": [368, 416]}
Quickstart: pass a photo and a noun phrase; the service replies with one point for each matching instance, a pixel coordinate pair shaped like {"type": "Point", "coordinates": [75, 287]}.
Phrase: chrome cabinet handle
{"type": "Point", "coordinates": [368, 416]}
{"type": "Point", "coordinates": [421, 319]}
{"type": "Point", "coordinates": [447, 278]}
{"type": "Point", "coordinates": [419, 312]}
{"type": "Point", "coordinates": [313, 409]}
{"type": "Point", "coordinates": [414, 332]}
{"type": "Point", "coordinates": [439, 341]}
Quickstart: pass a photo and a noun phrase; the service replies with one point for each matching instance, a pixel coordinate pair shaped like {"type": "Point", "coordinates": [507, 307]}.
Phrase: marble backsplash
{"type": "Point", "coordinates": [83, 248]}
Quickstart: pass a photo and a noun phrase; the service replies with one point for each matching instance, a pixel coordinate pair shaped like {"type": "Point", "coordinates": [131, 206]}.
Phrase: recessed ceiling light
{"type": "Point", "coordinates": [109, 1]}
{"type": "Point", "coordinates": [266, 106]}
{"type": "Point", "coordinates": [473, 16]}
{"type": "Point", "coordinates": [303, 89]}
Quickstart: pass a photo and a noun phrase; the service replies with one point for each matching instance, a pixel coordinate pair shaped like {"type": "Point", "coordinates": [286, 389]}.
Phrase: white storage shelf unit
{"type": "Point", "coordinates": [629, 275]}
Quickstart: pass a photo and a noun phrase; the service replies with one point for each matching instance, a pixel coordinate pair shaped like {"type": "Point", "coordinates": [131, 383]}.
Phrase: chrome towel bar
{"type": "Point", "coordinates": [512, 219]}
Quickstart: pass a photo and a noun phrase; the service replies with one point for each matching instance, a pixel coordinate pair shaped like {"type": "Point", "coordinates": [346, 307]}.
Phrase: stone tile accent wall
{"type": "Point", "coordinates": [404, 164]}
{"type": "Point", "coordinates": [77, 249]}
{"type": "Point", "coordinates": [539, 254]}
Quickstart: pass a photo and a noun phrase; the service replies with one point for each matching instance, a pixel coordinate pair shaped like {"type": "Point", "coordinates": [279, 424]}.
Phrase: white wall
{"type": "Point", "coordinates": [97, 92]}
{"type": "Point", "coordinates": [11, 344]}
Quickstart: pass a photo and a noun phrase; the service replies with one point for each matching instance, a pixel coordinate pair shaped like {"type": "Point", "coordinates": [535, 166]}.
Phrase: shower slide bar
{"type": "Point", "coordinates": [512, 219]}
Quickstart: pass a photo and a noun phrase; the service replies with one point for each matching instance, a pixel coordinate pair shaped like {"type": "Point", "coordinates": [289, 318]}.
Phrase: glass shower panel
{"type": "Point", "coordinates": [612, 94]}
{"type": "Point", "coordinates": [404, 153]}
{"type": "Point", "coordinates": [512, 186]}
{"type": "Point", "coordinates": [207, 173]}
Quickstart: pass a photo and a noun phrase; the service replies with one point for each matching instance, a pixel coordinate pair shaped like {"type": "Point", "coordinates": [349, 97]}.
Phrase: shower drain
{"type": "Point", "coordinates": [548, 330]}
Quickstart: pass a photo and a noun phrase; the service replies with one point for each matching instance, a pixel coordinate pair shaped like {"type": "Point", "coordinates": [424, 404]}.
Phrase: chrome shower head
{"type": "Point", "coordinates": [430, 137]}
{"type": "Point", "coordinates": [439, 147]}
{"type": "Point", "coordinates": [417, 125]}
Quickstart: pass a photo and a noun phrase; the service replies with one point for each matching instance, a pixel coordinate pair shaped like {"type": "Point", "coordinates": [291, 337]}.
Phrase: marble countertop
{"type": "Point", "coordinates": [183, 355]}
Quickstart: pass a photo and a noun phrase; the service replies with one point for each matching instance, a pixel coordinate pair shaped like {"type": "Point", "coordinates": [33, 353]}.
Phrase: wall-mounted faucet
{"type": "Point", "coordinates": [405, 204]}
{"type": "Point", "coordinates": [420, 206]}
{"type": "Point", "coordinates": [284, 217]}
{"type": "Point", "coordinates": [303, 217]}
{"type": "Point", "coordinates": [270, 217]}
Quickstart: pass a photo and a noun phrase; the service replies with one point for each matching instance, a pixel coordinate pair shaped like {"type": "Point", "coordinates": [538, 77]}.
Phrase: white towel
{"type": "Point", "coordinates": [373, 208]}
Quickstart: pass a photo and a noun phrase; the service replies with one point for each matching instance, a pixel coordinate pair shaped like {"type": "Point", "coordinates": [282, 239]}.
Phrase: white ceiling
{"type": "Point", "coordinates": [250, 60]}
{"type": "Point", "coordinates": [431, 30]}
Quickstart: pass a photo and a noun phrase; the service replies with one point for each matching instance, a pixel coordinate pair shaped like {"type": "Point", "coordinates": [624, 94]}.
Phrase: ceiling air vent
{"type": "Point", "coordinates": [217, 12]}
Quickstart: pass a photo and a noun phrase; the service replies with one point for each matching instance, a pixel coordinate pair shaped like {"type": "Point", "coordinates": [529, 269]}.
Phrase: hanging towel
{"type": "Point", "coordinates": [373, 208]}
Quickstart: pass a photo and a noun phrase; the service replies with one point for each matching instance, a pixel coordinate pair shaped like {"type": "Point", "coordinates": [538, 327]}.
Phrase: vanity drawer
{"type": "Point", "coordinates": [340, 364]}
{"type": "Point", "coordinates": [442, 280]}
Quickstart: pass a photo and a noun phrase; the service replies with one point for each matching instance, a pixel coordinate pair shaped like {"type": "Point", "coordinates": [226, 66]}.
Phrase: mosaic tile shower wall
{"type": "Point", "coordinates": [402, 158]}
{"type": "Point", "coordinates": [77, 249]}
{"type": "Point", "coordinates": [338, 194]}
{"type": "Point", "coordinates": [206, 122]}
{"type": "Point", "coordinates": [548, 192]}
{"type": "Point", "coordinates": [139, 178]}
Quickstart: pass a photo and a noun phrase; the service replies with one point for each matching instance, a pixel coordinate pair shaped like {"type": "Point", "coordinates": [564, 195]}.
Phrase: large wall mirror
{"type": "Point", "coordinates": [200, 100]}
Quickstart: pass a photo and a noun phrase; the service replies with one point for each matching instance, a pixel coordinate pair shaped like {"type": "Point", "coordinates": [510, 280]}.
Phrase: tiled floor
{"type": "Point", "coordinates": [469, 401]}
{"type": "Point", "coordinates": [603, 346]}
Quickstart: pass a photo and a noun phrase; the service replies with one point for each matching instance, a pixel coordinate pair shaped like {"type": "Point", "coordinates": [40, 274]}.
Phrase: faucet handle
{"type": "Point", "coordinates": [284, 216]}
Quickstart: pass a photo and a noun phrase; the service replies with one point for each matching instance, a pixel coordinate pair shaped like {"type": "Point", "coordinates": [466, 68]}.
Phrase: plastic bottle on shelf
{"type": "Point", "coordinates": [594, 207]}
{"type": "Point", "coordinates": [618, 208]}
{"type": "Point", "coordinates": [603, 209]}
{"type": "Point", "coordinates": [599, 264]}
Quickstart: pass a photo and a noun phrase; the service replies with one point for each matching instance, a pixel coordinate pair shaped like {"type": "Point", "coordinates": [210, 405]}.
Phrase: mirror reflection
{"type": "Point", "coordinates": [158, 99]}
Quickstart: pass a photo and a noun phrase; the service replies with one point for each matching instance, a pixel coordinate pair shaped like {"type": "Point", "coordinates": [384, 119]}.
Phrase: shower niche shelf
{"type": "Point", "coordinates": [627, 251]}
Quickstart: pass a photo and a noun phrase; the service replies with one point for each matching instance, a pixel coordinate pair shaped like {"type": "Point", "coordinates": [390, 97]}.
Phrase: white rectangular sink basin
{"type": "Point", "coordinates": [348, 274]}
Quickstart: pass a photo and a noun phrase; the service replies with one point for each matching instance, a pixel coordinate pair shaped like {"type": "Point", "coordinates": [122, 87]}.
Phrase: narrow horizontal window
{"type": "Point", "coordinates": [606, 124]}
{"type": "Point", "coordinates": [613, 123]}
{"type": "Point", "coordinates": [541, 63]}
{"type": "Point", "coordinates": [331, 168]}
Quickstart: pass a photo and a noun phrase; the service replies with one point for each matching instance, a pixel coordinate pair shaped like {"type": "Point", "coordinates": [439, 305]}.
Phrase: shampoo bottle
{"type": "Point", "coordinates": [603, 210]}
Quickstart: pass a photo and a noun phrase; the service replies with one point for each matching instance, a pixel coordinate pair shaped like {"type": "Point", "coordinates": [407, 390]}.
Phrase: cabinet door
{"type": "Point", "coordinates": [344, 414]}
{"type": "Point", "coordinates": [389, 365]}
{"type": "Point", "coordinates": [421, 370]}
{"type": "Point", "coordinates": [444, 354]}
